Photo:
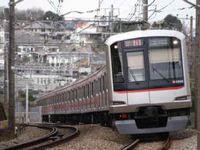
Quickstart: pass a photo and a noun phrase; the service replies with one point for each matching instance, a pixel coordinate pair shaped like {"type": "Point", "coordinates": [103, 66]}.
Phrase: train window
{"type": "Point", "coordinates": [105, 82]}
{"type": "Point", "coordinates": [83, 91]}
{"type": "Point", "coordinates": [136, 70]}
{"type": "Point", "coordinates": [79, 93]}
{"type": "Point", "coordinates": [92, 88]}
{"type": "Point", "coordinates": [54, 100]}
{"type": "Point", "coordinates": [117, 64]}
{"type": "Point", "coordinates": [51, 101]}
{"type": "Point", "coordinates": [57, 98]}
{"type": "Point", "coordinates": [99, 84]}
{"type": "Point", "coordinates": [165, 59]}
{"type": "Point", "coordinates": [73, 95]}
{"type": "Point", "coordinates": [60, 97]}
{"type": "Point", "coordinates": [70, 95]}
{"type": "Point", "coordinates": [96, 87]}
{"type": "Point", "coordinates": [76, 94]}
{"type": "Point", "coordinates": [66, 95]}
{"type": "Point", "coordinates": [88, 90]}
{"type": "Point", "coordinates": [68, 98]}
{"type": "Point", "coordinates": [102, 83]}
{"type": "Point", "coordinates": [63, 96]}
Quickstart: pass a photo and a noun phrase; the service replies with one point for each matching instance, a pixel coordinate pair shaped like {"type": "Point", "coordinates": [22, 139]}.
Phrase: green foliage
{"type": "Point", "coordinates": [169, 22]}
{"type": "Point", "coordinates": [49, 15]}
{"type": "Point", "coordinates": [172, 22]}
{"type": "Point", "coordinates": [22, 95]}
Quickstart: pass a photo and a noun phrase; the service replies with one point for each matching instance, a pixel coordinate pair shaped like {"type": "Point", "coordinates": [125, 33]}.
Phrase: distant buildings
{"type": "Point", "coordinates": [50, 54]}
{"type": "Point", "coordinates": [63, 48]}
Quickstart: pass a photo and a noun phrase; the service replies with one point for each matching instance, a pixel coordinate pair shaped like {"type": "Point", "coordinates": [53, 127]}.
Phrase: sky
{"type": "Point", "coordinates": [122, 8]}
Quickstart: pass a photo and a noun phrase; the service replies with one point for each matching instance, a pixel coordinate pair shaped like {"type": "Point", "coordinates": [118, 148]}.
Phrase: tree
{"type": "Point", "coordinates": [29, 14]}
{"type": "Point", "coordinates": [172, 22]}
{"type": "Point", "coordinates": [49, 15]}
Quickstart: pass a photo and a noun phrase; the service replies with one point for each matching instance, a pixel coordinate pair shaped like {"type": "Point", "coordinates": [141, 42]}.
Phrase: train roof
{"type": "Point", "coordinates": [143, 33]}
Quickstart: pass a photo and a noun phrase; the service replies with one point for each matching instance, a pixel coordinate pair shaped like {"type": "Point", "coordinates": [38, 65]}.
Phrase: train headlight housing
{"type": "Point", "coordinates": [118, 103]}
{"type": "Point", "coordinates": [184, 97]}
{"type": "Point", "coordinates": [123, 116]}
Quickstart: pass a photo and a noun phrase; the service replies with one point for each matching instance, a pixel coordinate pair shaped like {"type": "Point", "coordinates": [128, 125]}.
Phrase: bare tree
{"type": "Point", "coordinates": [29, 14]}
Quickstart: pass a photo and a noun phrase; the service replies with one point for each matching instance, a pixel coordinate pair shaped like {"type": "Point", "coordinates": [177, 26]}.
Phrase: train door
{"type": "Point", "coordinates": [136, 76]}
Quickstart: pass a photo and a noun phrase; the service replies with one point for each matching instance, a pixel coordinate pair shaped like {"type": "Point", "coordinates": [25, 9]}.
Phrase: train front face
{"type": "Point", "coordinates": [149, 81]}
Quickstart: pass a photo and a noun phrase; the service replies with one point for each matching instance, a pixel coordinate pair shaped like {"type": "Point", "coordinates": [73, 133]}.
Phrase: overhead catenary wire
{"type": "Point", "coordinates": [165, 6]}
{"type": "Point", "coordinates": [133, 14]}
{"type": "Point", "coordinates": [151, 3]}
{"type": "Point", "coordinates": [52, 5]}
{"type": "Point", "coordinates": [154, 12]}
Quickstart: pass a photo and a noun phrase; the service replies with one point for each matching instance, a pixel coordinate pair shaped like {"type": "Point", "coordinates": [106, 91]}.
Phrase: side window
{"type": "Point", "coordinates": [93, 88]}
{"type": "Point", "coordinates": [117, 64]}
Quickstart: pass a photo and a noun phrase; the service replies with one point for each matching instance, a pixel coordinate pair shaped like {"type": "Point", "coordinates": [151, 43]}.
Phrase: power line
{"type": "Point", "coordinates": [133, 14]}
{"type": "Point", "coordinates": [154, 12]}
{"type": "Point", "coordinates": [165, 6]}
{"type": "Point", "coordinates": [151, 3]}
{"type": "Point", "coordinates": [56, 8]}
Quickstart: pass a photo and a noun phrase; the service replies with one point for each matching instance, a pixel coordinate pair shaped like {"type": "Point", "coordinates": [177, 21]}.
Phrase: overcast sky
{"type": "Point", "coordinates": [123, 8]}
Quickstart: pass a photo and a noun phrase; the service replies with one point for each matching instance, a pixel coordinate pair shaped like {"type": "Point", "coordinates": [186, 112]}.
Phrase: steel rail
{"type": "Point", "coordinates": [53, 131]}
{"type": "Point", "coordinates": [54, 138]}
{"type": "Point", "coordinates": [58, 139]}
{"type": "Point", "coordinates": [166, 145]}
{"type": "Point", "coordinates": [131, 145]}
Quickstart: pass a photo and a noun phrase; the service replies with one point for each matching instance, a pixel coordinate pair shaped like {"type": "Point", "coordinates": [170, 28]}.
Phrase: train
{"type": "Point", "coordinates": [144, 87]}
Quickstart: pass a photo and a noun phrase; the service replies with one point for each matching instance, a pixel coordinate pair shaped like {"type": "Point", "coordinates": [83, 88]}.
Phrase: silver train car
{"type": "Point", "coordinates": [144, 87]}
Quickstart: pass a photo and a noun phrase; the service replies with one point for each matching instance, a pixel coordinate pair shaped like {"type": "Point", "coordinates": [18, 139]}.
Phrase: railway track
{"type": "Point", "coordinates": [166, 144]}
{"type": "Point", "coordinates": [131, 145]}
{"type": "Point", "coordinates": [57, 135]}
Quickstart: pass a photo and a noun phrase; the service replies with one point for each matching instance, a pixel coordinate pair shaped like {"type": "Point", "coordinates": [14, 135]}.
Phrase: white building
{"type": "Point", "coordinates": [42, 82]}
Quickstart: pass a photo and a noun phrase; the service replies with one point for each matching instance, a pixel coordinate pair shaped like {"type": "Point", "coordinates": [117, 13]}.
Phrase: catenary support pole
{"type": "Point", "coordinates": [11, 78]}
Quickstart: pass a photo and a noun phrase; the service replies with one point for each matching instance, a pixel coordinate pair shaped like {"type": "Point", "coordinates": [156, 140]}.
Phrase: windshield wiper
{"type": "Point", "coordinates": [159, 73]}
{"type": "Point", "coordinates": [133, 76]}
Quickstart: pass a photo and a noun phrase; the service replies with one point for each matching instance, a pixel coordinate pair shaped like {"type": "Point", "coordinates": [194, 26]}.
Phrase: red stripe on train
{"type": "Point", "coordinates": [149, 90]}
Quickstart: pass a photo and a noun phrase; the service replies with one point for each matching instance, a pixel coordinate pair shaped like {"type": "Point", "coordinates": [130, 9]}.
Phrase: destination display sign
{"type": "Point", "coordinates": [133, 43]}
{"type": "Point", "coordinates": [158, 42]}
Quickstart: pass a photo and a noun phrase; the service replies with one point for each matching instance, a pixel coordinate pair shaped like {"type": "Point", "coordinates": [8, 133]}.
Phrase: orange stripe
{"type": "Point", "coordinates": [150, 90]}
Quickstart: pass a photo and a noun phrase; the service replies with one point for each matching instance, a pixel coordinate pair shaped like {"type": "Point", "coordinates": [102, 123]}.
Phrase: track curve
{"type": "Point", "coordinates": [55, 137]}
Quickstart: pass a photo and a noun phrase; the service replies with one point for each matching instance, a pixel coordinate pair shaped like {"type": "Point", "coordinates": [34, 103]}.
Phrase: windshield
{"type": "Point", "coordinates": [165, 59]}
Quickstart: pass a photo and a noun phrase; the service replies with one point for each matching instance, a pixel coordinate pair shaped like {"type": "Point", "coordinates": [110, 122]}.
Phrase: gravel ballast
{"type": "Point", "coordinates": [96, 137]}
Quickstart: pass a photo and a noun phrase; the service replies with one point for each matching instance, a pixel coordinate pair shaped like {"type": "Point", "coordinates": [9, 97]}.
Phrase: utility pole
{"type": "Point", "coordinates": [197, 66]}
{"type": "Point", "coordinates": [111, 19]}
{"type": "Point", "coordinates": [11, 78]}
{"type": "Point", "coordinates": [198, 69]}
{"type": "Point", "coordinates": [6, 31]}
{"type": "Point", "coordinates": [145, 10]}
{"type": "Point", "coordinates": [27, 103]}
